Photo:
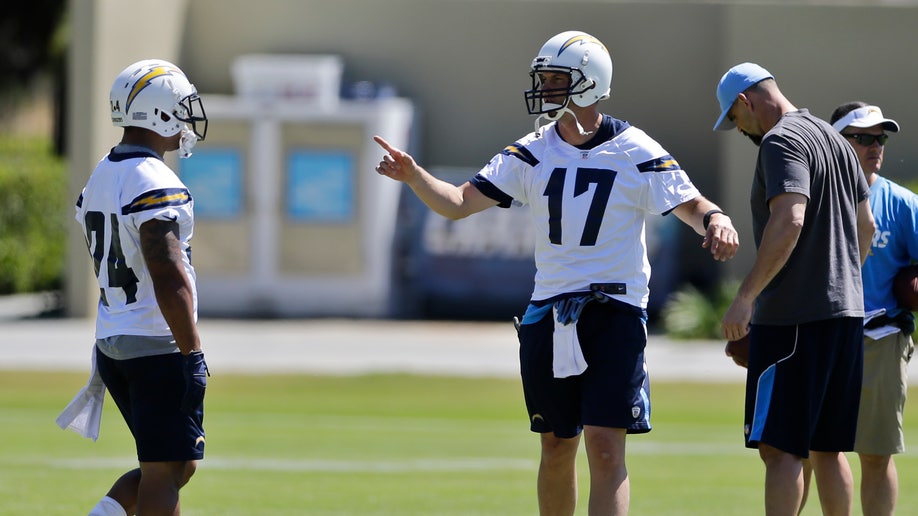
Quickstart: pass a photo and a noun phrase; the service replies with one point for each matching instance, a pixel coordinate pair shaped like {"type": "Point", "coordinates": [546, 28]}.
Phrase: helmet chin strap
{"type": "Point", "coordinates": [186, 143]}
{"type": "Point", "coordinates": [554, 116]}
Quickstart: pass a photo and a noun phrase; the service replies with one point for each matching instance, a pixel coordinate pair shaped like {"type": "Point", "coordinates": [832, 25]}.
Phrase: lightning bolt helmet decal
{"type": "Point", "coordinates": [145, 80]}
{"type": "Point", "coordinates": [582, 39]}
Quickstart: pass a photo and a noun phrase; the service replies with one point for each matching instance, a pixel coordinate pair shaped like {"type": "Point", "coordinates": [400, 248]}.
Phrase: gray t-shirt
{"type": "Point", "coordinates": [822, 278]}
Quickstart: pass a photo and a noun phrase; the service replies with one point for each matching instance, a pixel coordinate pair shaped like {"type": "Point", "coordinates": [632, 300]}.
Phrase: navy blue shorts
{"type": "Point", "coordinates": [148, 392]}
{"type": "Point", "coordinates": [614, 391]}
{"type": "Point", "coordinates": [803, 386]}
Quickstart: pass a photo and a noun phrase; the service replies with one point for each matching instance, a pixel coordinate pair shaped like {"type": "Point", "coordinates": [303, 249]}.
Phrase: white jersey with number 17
{"type": "Point", "coordinates": [124, 191]}
{"type": "Point", "coordinates": [589, 204]}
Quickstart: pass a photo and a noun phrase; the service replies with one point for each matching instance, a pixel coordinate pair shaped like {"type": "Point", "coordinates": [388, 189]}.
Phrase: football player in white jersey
{"type": "Point", "coordinates": [137, 218]}
{"type": "Point", "coordinates": [589, 180]}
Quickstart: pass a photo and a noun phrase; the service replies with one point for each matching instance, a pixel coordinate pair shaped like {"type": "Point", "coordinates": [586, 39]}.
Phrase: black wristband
{"type": "Point", "coordinates": [707, 218]}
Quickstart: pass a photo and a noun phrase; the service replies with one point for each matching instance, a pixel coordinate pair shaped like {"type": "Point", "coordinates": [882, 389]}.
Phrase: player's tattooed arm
{"type": "Point", "coordinates": [162, 252]}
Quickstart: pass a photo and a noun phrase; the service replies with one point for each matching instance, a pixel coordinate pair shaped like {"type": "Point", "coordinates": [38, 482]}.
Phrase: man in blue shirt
{"type": "Point", "coordinates": [887, 326]}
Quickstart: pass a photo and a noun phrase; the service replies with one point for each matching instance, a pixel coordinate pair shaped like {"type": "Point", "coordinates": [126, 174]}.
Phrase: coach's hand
{"type": "Point", "coordinates": [195, 371]}
{"type": "Point", "coordinates": [738, 350]}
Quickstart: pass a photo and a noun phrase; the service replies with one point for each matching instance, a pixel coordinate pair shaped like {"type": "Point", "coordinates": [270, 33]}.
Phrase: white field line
{"type": "Point", "coordinates": [320, 465]}
{"type": "Point", "coordinates": [402, 466]}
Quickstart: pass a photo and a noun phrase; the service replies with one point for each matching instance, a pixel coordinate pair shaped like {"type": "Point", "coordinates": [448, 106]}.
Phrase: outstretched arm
{"type": "Point", "coordinates": [720, 237]}
{"type": "Point", "coordinates": [451, 201]}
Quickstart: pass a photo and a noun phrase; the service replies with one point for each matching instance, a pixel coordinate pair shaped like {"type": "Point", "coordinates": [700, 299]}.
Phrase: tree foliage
{"type": "Point", "coordinates": [33, 216]}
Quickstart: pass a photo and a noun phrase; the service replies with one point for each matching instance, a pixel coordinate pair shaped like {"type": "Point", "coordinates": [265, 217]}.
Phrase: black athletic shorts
{"type": "Point", "coordinates": [148, 392]}
{"type": "Point", "coordinates": [614, 391]}
{"type": "Point", "coordinates": [803, 385]}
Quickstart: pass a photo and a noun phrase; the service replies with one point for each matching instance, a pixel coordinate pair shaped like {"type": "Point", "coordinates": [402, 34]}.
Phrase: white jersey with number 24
{"type": "Point", "coordinates": [124, 191]}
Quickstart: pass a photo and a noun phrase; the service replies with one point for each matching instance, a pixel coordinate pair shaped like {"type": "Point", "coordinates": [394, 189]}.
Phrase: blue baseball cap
{"type": "Point", "coordinates": [737, 80]}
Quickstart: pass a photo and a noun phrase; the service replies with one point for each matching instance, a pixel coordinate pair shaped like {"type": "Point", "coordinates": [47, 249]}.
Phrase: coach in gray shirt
{"type": "Point", "coordinates": [802, 301]}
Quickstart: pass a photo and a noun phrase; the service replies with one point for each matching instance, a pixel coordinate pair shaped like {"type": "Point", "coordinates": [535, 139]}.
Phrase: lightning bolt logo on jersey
{"type": "Point", "coordinates": [589, 205]}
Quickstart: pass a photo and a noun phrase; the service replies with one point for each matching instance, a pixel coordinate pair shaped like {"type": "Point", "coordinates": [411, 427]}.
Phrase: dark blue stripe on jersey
{"type": "Point", "coordinates": [121, 156]}
{"type": "Point", "coordinates": [158, 199]}
{"type": "Point", "coordinates": [492, 192]}
{"type": "Point", "coordinates": [518, 151]}
{"type": "Point", "coordinates": [80, 201]}
{"type": "Point", "coordinates": [661, 164]}
{"type": "Point", "coordinates": [609, 128]}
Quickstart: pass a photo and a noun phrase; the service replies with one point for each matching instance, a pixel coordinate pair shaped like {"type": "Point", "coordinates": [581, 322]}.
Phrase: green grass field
{"type": "Point", "coordinates": [383, 444]}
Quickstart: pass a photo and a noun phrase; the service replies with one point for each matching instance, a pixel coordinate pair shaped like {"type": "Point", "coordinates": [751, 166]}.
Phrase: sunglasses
{"type": "Point", "coordinates": [867, 139]}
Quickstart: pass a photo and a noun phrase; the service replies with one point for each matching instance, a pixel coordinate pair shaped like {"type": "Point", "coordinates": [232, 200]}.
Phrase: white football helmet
{"type": "Point", "coordinates": [156, 95]}
{"type": "Point", "coordinates": [584, 58]}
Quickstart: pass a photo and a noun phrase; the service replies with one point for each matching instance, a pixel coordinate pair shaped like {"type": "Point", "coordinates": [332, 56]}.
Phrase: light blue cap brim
{"type": "Point", "coordinates": [737, 80]}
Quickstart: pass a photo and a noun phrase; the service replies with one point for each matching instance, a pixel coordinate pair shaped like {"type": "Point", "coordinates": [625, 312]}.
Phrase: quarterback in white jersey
{"type": "Point", "coordinates": [588, 205]}
{"type": "Point", "coordinates": [138, 220]}
{"type": "Point", "coordinates": [589, 181]}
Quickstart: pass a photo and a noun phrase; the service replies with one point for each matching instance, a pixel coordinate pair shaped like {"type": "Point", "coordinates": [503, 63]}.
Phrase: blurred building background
{"type": "Point", "coordinates": [294, 222]}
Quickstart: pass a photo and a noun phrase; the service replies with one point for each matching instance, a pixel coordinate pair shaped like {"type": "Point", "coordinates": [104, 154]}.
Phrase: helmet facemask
{"type": "Point", "coordinates": [536, 97]}
{"type": "Point", "coordinates": [191, 111]}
